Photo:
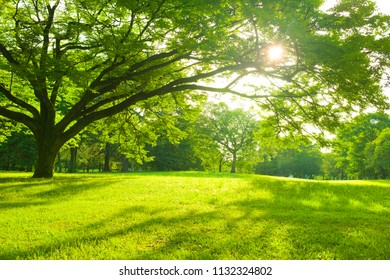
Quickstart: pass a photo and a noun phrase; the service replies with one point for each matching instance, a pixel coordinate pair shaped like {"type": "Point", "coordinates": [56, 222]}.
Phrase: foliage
{"type": "Point", "coordinates": [330, 166]}
{"type": "Point", "coordinates": [304, 162]}
{"type": "Point", "coordinates": [378, 153]}
{"type": "Point", "coordinates": [67, 64]}
{"type": "Point", "coordinates": [204, 148]}
{"type": "Point", "coordinates": [90, 152]}
{"type": "Point", "coordinates": [230, 130]}
{"type": "Point", "coordinates": [174, 148]}
{"type": "Point", "coordinates": [356, 144]}
{"type": "Point", "coordinates": [177, 157]}
{"type": "Point", "coordinates": [18, 152]}
{"type": "Point", "coordinates": [7, 127]}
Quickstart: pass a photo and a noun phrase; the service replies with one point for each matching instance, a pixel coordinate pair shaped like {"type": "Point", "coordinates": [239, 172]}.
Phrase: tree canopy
{"type": "Point", "coordinates": [362, 147]}
{"type": "Point", "coordinates": [231, 131]}
{"type": "Point", "coordinates": [65, 64]}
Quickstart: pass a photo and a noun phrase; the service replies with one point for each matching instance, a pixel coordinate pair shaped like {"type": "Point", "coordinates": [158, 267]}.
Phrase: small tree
{"type": "Point", "coordinates": [231, 130]}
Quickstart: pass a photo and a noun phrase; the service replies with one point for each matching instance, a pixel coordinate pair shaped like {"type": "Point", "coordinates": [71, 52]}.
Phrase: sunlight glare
{"type": "Point", "coordinates": [275, 53]}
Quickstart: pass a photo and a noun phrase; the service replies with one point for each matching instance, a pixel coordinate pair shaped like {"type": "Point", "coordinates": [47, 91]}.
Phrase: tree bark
{"type": "Point", "coordinates": [221, 163]}
{"type": "Point", "coordinates": [59, 162]}
{"type": "Point", "coordinates": [73, 160]}
{"type": "Point", "coordinates": [47, 153]}
{"type": "Point", "coordinates": [125, 164]}
{"type": "Point", "coordinates": [234, 163]}
{"type": "Point", "coordinates": [107, 155]}
{"type": "Point", "coordinates": [44, 165]}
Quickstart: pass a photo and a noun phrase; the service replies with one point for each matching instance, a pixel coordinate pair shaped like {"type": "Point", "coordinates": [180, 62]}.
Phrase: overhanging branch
{"type": "Point", "coordinates": [8, 55]}
{"type": "Point", "coordinates": [19, 102]}
{"type": "Point", "coordinates": [19, 117]}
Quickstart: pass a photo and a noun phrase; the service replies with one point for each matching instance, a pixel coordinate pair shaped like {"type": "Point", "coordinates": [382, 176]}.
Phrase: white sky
{"type": "Point", "coordinates": [383, 5]}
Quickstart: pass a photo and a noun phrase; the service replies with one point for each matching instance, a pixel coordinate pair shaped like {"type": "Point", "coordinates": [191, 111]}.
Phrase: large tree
{"type": "Point", "coordinates": [65, 64]}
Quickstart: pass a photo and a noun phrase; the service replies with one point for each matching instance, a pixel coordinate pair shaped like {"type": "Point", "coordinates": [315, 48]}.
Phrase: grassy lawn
{"type": "Point", "coordinates": [192, 215]}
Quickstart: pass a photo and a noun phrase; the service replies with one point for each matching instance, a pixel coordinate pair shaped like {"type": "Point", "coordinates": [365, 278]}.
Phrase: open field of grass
{"type": "Point", "coordinates": [191, 215]}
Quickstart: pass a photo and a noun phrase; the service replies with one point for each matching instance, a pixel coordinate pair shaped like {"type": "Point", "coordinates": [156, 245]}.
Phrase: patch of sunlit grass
{"type": "Point", "coordinates": [191, 215]}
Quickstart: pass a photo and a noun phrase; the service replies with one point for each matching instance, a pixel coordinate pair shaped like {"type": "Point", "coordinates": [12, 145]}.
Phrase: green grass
{"type": "Point", "coordinates": [192, 215]}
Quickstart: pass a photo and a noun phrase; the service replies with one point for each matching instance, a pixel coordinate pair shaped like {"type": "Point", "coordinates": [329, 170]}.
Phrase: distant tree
{"type": "Point", "coordinates": [18, 152]}
{"type": "Point", "coordinates": [308, 162]}
{"type": "Point", "coordinates": [175, 146]}
{"type": "Point", "coordinates": [378, 155]}
{"type": "Point", "coordinates": [204, 148]}
{"type": "Point", "coordinates": [168, 156]}
{"type": "Point", "coordinates": [352, 143]}
{"type": "Point", "coordinates": [90, 152]}
{"type": "Point", "coordinates": [231, 130]}
{"type": "Point", "coordinates": [67, 64]}
{"type": "Point", "coordinates": [71, 148]}
{"type": "Point", "coordinates": [329, 167]}
{"type": "Point", "coordinates": [268, 167]}
{"type": "Point", "coordinates": [303, 162]}
{"type": "Point", "coordinates": [7, 127]}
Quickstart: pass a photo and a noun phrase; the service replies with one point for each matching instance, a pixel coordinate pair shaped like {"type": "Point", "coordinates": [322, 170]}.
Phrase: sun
{"type": "Point", "coordinates": [275, 53]}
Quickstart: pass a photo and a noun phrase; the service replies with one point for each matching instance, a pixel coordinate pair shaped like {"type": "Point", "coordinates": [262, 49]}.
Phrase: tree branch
{"type": "Point", "coordinates": [113, 82]}
{"type": "Point", "coordinates": [101, 103]}
{"type": "Point", "coordinates": [19, 117]}
{"type": "Point", "coordinates": [8, 55]}
{"type": "Point", "coordinates": [19, 102]}
{"type": "Point", "coordinates": [108, 85]}
{"type": "Point", "coordinates": [152, 18]}
{"type": "Point", "coordinates": [40, 83]}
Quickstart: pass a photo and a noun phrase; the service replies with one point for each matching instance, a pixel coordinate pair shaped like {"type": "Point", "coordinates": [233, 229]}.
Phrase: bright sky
{"type": "Point", "coordinates": [383, 5]}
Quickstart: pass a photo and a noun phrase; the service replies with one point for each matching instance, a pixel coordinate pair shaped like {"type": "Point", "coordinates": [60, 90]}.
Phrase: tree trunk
{"type": "Point", "coordinates": [73, 160]}
{"type": "Point", "coordinates": [125, 164]}
{"type": "Point", "coordinates": [221, 162]}
{"type": "Point", "coordinates": [59, 162]}
{"type": "Point", "coordinates": [234, 163]}
{"type": "Point", "coordinates": [106, 167]}
{"type": "Point", "coordinates": [8, 166]}
{"type": "Point", "coordinates": [47, 153]}
{"type": "Point", "coordinates": [44, 165]}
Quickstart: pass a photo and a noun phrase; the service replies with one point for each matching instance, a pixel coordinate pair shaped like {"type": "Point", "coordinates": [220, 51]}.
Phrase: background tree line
{"type": "Point", "coordinates": [214, 138]}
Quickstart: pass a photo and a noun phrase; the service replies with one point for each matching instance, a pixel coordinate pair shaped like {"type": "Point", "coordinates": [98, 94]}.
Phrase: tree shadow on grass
{"type": "Point", "coordinates": [11, 205]}
{"type": "Point", "coordinates": [36, 192]}
{"type": "Point", "coordinates": [294, 221]}
{"type": "Point", "coordinates": [19, 184]}
{"type": "Point", "coordinates": [322, 221]}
